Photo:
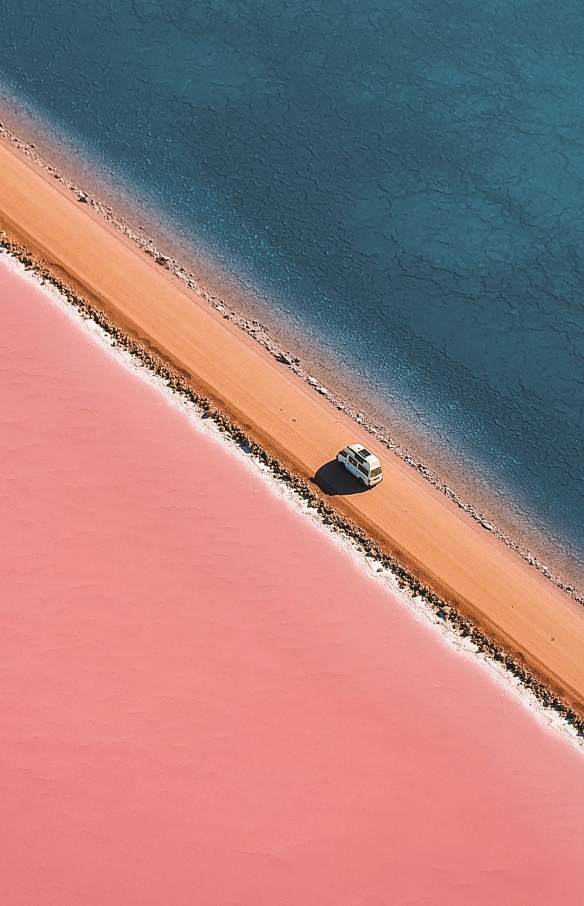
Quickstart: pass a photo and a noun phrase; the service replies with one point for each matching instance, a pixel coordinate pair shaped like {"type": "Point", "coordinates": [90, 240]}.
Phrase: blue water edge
{"type": "Point", "coordinates": [403, 179]}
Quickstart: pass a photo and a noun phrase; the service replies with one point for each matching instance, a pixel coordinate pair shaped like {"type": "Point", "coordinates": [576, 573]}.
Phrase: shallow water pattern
{"type": "Point", "coordinates": [189, 718]}
{"type": "Point", "coordinates": [405, 180]}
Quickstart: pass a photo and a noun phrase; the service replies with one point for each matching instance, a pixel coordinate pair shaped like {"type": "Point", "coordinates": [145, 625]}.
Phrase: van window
{"type": "Point", "coordinates": [362, 469]}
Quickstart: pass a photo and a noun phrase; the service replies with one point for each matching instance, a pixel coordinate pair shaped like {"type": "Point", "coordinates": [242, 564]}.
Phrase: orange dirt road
{"type": "Point", "coordinates": [514, 604]}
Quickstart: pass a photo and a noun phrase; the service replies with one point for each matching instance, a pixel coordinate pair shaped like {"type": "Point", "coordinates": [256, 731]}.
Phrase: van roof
{"type": "Point", "coordinates": [364, 453]}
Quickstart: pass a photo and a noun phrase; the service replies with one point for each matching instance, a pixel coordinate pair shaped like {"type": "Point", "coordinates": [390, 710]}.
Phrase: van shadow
{"type": "Point", "coordinates": [333, 479]}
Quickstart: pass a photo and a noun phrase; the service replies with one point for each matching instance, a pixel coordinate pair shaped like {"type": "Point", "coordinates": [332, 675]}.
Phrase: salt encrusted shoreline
{"type": "Point", "coordinates": [461, 625]}
{"type": "Point", "coordinates": [258, 332]}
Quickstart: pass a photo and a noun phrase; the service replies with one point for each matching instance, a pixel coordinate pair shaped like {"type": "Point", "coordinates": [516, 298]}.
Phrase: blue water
{"type": "Point", "coordinates": [403, 179]}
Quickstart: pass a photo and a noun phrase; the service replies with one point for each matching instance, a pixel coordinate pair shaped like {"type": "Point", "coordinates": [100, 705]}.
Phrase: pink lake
{"type": "Point", "coordinates": [204, 700]}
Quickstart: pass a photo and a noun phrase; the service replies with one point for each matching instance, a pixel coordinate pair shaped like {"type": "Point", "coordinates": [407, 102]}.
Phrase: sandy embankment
{"type": "Point", "coordinates": [462, 562]}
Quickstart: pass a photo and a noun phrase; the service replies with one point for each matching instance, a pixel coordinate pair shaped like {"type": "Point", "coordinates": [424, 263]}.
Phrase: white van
{"type": "Point", "coordinates": [362, 464]}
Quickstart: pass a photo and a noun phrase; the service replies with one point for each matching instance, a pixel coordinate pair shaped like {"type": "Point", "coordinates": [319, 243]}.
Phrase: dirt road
{"type": "Point", "coordinates": [512, 602]}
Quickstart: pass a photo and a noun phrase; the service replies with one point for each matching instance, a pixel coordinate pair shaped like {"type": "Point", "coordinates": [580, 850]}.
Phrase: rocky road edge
{"type": "Point", "coordinates": [463, 626]}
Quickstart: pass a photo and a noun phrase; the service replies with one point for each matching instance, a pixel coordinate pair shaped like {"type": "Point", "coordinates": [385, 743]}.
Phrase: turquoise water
{"type": "Point", "coordinates": [404, 180]}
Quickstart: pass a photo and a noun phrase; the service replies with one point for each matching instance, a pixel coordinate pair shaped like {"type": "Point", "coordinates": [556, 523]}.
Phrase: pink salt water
{"type": "Point", "coordinates": [203, 700]}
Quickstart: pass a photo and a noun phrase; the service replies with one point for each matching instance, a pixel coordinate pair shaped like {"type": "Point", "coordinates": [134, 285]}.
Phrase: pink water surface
{"type": "Point", "coordinates": [204, 701]}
